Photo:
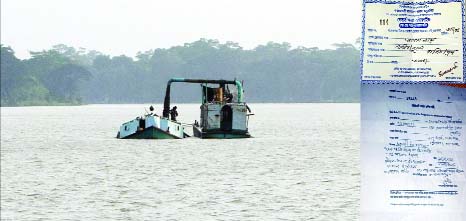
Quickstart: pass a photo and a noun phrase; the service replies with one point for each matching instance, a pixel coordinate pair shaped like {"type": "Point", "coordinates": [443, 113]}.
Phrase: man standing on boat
{"type": "Point", "coordinates": [173, 113]}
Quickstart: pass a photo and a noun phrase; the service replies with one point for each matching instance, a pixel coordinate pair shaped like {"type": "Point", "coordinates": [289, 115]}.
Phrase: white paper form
{"type": "Point", "coordinates": [415, 41]}
{"type": "Point", "coordinates": [413, 152]}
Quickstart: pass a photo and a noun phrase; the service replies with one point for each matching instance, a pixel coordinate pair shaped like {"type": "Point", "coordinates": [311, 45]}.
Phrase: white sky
{"type": "Point", "coordinates": [127, 26]}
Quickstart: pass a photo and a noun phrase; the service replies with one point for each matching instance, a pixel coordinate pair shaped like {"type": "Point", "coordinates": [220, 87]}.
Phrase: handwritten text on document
{"type": "Point", "coordinates": [413, 41]}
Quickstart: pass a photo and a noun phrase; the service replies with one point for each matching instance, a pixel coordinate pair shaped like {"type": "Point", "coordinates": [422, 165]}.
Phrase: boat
{"type": "Point", "coordinates": [151, 126]}
{"type": "Point", "coordinates": [224, 114]}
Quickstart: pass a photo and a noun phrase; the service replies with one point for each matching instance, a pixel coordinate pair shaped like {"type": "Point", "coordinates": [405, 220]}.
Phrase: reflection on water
{"type": "Point", "coordinates": [63, 163]}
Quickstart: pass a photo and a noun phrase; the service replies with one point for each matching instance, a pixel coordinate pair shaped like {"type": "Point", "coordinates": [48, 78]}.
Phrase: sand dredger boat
{"type": "Point", "coordinates": [224, 115]}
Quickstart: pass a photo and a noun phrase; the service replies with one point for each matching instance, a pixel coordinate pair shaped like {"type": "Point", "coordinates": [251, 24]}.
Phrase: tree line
{"type": "Point", "coordinates": [273, 72]}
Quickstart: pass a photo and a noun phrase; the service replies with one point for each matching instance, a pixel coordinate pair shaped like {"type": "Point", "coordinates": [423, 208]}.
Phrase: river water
{"type": "Point", "coordinates": [63, 163]}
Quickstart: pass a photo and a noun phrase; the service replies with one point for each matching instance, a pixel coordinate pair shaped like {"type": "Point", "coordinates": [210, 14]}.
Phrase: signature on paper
{"type": "Point", "coordinates": [441, 73]}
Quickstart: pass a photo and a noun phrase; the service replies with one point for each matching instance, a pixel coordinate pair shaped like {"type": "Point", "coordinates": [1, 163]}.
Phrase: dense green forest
{"type": "Point", "coordinates": [274, 72]}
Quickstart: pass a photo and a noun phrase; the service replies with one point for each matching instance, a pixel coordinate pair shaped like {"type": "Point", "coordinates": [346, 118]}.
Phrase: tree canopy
{"type": "Point", "coordinates": [273, 72]}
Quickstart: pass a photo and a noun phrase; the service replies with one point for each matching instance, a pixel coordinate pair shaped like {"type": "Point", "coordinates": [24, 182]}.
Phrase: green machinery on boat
{"type": "Point", "coordinates": [224, 115]}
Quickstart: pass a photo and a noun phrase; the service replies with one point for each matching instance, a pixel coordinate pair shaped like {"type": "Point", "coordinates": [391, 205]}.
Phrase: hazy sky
{"type": "Point", "coordinates": [127, 26]}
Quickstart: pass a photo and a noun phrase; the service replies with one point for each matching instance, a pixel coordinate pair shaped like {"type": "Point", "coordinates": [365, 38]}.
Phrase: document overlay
{"type": "Point", "coordinates": [413, 41]}
{"type": "Point", "coordinates": [413, 152]}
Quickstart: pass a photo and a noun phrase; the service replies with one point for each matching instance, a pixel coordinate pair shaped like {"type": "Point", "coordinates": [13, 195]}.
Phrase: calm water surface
{"type": "Point", "coordinates": [63, 163]}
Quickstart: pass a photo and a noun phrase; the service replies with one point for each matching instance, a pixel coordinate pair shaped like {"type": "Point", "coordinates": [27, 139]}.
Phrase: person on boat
{"type": "Point", "coordinates": [228, 97]}
{"type": "Point", "coordinates": [173, 113]}
{"type": "Point", "coordinates": [152, 111]}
